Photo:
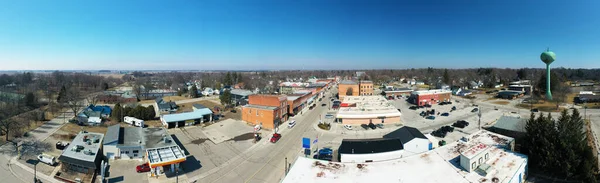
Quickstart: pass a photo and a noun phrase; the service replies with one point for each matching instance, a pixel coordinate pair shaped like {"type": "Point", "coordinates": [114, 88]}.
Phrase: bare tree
{"type": "Point", "coordinates": [92, 99]}
{"type": "Point", "coordinates": [9, 126]}
{"type": "Point", "coordinates": [74, 99]}
{"type": "Point", "coordinates": [32, 147]}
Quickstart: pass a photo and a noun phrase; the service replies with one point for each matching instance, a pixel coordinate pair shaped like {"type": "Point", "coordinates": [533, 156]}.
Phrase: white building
{"type": "Point", "coordinates": [442, 164]}
{"type": "Point", "coordinates": [131, 142]}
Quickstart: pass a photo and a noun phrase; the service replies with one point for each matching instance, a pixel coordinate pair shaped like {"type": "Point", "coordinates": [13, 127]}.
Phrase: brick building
{"type": "Point", "coordinates": [348, 87]}
{"type": "Point", "coordinates": [430, 97]}
{"type": "Point", "coordinates": [267, 110]}
{"type": "Point", "coordinates": [366, 88]}
{"type": "Point", "coordinates": [297, 102]}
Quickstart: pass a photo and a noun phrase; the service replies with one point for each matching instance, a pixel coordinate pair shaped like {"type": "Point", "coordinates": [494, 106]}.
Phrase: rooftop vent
{"type": "Point", "coordinates": [167, 140]}
{"type": "Point", "coordinates": [88, 152]}
{"type": "Point", "coordinates": [96, 140]}
{"type": "Point", "coordinates": [139, 141]}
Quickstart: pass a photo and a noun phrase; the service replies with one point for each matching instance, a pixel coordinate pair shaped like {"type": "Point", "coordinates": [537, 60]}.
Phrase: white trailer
{"type": "Point", "coordinates": [133, 121]}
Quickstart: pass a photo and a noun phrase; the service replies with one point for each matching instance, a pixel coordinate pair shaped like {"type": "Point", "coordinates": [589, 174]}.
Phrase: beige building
{"type": "Point", "coordinates": [352, 88]}
{"type": "Point", "coordinates": [365, 109]}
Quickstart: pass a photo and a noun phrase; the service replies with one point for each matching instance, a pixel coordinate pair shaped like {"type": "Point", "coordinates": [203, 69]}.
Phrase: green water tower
{"type": "Point", "coordinates": [548, 57]}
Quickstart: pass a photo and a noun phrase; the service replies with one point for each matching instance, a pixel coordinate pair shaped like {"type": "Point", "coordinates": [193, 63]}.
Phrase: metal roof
{"type": "Point", "coordinates": [405, 134]}
{"type": "Point", "coordinates": [112, 134]}
{"type": "Point", "coordinates": [511, 123]}
{"type": "Point", "coordinates": [197, 114]}
{"type": "Point", "coordinates": [241, 92]}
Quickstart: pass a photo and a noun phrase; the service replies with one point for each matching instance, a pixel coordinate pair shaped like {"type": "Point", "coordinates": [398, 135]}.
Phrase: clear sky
{"type": "Point", "coordinates": [295, 34]}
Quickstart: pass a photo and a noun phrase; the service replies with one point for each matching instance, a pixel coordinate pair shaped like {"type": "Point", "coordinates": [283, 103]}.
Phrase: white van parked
{"type": "Point", "coordinates": [133, 121]}
{"type": "Point", "coordinates": [292, 124]}
{"type": "Point", "coordinates": [50, 160]}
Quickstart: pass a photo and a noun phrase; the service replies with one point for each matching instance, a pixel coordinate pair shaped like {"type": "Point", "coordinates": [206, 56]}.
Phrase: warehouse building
{"type": "Point", "coordinates": [83, 155]}
{"type": "Point", "coordinates": [397, 92]}
{"type": "Point", "coordinates": [367, 109]}
{"type": "Point", "coordinates": [522, 88]}
{"type": "Point", "coordinates": [187, 118]}
{"type": "Point", "coordinates": [482, 156]}
{"type": "Point", "coordinates": [429, 97]}
{"type": "Point", "coordinates": [509, 94]}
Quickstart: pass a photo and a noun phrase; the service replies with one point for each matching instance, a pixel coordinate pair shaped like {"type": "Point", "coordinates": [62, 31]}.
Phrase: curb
{"type": "Point", "coordinates": [12, 171]}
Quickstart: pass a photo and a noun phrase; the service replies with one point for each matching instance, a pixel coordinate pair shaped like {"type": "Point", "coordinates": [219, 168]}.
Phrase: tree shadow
{"type": "Point", "coordinates": [38, 131]}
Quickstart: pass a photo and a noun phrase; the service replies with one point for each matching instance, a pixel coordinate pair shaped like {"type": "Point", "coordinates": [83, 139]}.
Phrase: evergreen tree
{"type": "Point", "coordinates": [150, 113]}
{"type": "Point", "coordinates": [117, 113]}
{"type": "Point", "coordinates": [105, 86]}
{"type": "Point", "coordinates": [30, 100]}
{"type": "Point", "coordinates": [227, 80]}
{"type": "Point", "coordinates": [225, 97]}
{"type": "Point", "coordinates": [446, 77]}
{"type": "Point", "coordinates": [62, 95]}
{"type": "Point", "coordinates": [234, 78]}
{"type": "Point", "coordinates": [194, 92]}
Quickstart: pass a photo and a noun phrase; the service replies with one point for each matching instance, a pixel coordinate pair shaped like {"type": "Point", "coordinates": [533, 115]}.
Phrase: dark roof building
{"type": "Point", "coordinates": [368, 146]}
{"type": "Point", "coordinates": [405, 134]}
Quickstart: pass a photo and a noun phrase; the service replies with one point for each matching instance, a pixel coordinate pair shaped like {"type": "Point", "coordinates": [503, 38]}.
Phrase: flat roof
{"type": "Point", "coordinates": [519, 86]}
{"type": "Point", "coordinates": [368, 107]}
{"type": "Point", "coordinates": [155, 138]}
{"type": "Point", "coordinates": [430, 92]}
{"type": "Point", "coordinates": [241, 92]}
{"type": "Point", "coordinates": [348, 82]}
{"type": "Point", "coordinates": [196, 114]}
{"type": "Point", "coordinates": [438, 165]}
{"type": "Point", "coordinates": [165, 155]}
{"type": "Point", "coordinates": [260, 107]}
{"type": "Point", "coordinates": [83, 147]}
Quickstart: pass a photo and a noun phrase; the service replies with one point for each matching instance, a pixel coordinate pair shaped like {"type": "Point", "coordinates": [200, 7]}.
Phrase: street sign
{"type": "Point", "coordinates": [306, 143]}
{"type": "Point", "coordinates": [315, 141]}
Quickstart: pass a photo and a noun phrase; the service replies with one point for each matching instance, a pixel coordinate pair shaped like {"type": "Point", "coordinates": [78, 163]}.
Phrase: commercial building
{"type": "Point", "coordinates": [348, 88]}
{"type": "Point", "coordinates": [83, 155]}
{"type": "Point", "coordinates": [481, 156]}
{"type": "Point", "coordinates": [512, 126]}
{"type": "Point", "coordinates": [297, 102]}
{"type": "Point", "coordinates": [587, 98]}
{"type": "Point", "coordinates": [396, 92]}
{"type": "Point", "coordinates": [267, 110]}
{"type": "Point", "coordinates": [430, 97]}
{"type": "Point", "coordinates": [199, 115]}
{"type": "Point", "coordinates": [162, 152]}
{"type": "Point", "coordinates": [522, 88]}
{"type": "Point", "coordinates": [366, 88]}
{"type": "Point", "coordinates": [404, 142]}
{"type": "Point", "coordinates": [291, 87]}
{"type": "Point", "coordinates": [366, 109]}
{"type": "Point", "coordinates": [412, 139]}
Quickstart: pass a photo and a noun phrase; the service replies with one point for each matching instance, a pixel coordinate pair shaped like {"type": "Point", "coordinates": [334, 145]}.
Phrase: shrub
{"type": "Point", "coordinates": [324, 126]}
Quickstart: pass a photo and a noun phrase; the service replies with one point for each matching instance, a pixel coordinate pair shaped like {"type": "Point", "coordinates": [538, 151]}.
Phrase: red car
{"type": "Point", "coordinates": [142, 168]}
{"type": "Point", "coordinates": [275, 137]}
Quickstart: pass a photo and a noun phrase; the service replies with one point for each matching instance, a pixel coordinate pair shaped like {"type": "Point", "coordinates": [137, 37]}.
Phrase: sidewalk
{"type": "Point", "coordinates": [21, 170]}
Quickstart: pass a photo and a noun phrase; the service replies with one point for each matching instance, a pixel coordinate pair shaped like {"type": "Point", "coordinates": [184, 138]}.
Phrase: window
{"type": "Point", "coordinates": [473, 165]}
{"type": "Point", "coordinates": [135, 151]}
{"type": "Point", "coordinates": [256, 112]}
{"type": "Point", "coordinates": [249, 111]}
{"type": "Point", "coordinates": [480, 160]}
{"type": "Point", "coordinates": [487, 156]}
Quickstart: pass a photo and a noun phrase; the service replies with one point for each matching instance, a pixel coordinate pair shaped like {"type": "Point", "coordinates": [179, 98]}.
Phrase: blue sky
{"type": "Point", "coordinates": [298, 34]}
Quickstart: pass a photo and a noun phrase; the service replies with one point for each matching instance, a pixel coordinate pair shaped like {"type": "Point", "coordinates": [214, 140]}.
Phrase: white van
{"type": "Point", "coordinates": [50, 160]}
{"type": "Point", "coordinates": [133, 121]}
{"type": "Point", "coordinates": [292, 124]}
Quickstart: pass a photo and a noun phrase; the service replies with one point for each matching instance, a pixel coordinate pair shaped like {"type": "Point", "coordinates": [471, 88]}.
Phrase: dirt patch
{"type": "Point", "coordinates": [542, 106]}
{"type": "Point", "coordinates": [187, 107]}
{"type": "Point", "coordinates": [242, 137]}
{"type": "Point", "coordinates": [75, 129]}
{"type": "Point", "coordinates": [153, 123]}
{"type": "Point", "coordinates": [501, 102]}
{"type": "Point", "coordinates": [64, 137]}
{"type": "Point", "coordinates": [199, 141]}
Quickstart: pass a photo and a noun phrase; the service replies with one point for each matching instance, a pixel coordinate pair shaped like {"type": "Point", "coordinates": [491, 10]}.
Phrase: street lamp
{"type": "Point", "coordinates": [35, 171]}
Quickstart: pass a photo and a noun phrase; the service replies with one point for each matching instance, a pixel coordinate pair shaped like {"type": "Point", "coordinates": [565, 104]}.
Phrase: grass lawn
{"type": "Point", "coordinates": [571, 97]}
{"type": "Point", "coordinates": [501, 102]}
{"type": "Point", "coordinates": [423, 86]}
{"type": "Point", "coordinates": [153, 123]}
{"type": "Point", "coordinates": [167, 98]}
{"type": "Point", "coordinates": [542, 106]}
{"type": "Point", "coordinates": [72, 128]}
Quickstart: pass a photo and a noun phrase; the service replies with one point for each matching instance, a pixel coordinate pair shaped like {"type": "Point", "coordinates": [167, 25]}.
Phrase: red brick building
{"type": "Point", "coordinates": [430, 97]}
{"type": "Point", "coordinates": [269, 111]}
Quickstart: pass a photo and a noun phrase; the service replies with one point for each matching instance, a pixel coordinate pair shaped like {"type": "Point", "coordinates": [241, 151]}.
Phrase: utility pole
{"type": "Point", "coordinates": [35, 172]}
{"type": "Point", "coordinates": [479, 114]}
{"type": "Point", "coordinates": [286, 166]}
{"type": "Point", "coordinates": [177, 173]}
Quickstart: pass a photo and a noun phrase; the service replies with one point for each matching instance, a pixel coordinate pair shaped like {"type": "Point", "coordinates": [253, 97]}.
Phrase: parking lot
{"type": "Point", "coordinates": [124, 171]}
{"type": "Point", "coordinates": [211, 146]}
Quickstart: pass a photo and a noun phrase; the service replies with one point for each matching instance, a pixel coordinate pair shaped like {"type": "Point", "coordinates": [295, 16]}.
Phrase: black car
{"type": "Point", "coordinates": [535, 110]}
{"type": "Point", "coordinates": [460, 124]}
{"type": "Point", "coordinates": [475, 110]}
{"type": "Point", "coordinates": [439, 133]}
{"type": "Point", "coordinates": [432, 112]}
{"type": "Point", "coordinates": [372, 126]}
{"type": "Point", "coordinates": [423, 113]}
{"type": "Point", "coordinates": [427, 105]}
{"type": "Point", "coordinates": [233, 111]}
{"type": "Point", "coordinates": [445, 114]}
{"type": "Point", "coordinates": [442, 103]}
{"type": "Point", "coordinates": [421, 107]}
{"type": "Point", "coordinates": [447, 128]}
{"type": "Point", "coordinates": [323, 104]}
{"type": "Point", "coordinates": [365, 126]}
{"type": "Point", "coordinates": [61, 145]}
{"type": "Point", "coordinates": [448, 102]}
{"type": "Point", "coordinates": [454, 108]}
{"type": "Point", "coordinates": [413, 107]}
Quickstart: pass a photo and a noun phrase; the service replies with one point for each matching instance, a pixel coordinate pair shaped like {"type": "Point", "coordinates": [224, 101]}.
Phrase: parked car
{"type": "Point", "coordinates": [61, 145]}
{"type": "Point", "coordinates": [325, 154]}
{"type": "Point", "coordinates": [442, 103]}
{"type": "Point", "coordinates": [421, 107]}
{"type": "Point", "coordinates": [275, 137]}
{"type": "Point", "coordinates": [535, 110]}
{"type": "Point", "coordinates": [447, 128]}
{"type": "Point", "coordinates": [291, 124]}
{"type": "Point", "coordinates": [233, 111]}
{"type": "Point", "coordinates": [427, 105]}
{"type": "Point", "coordinates": [379, 125]}
{"type": "Point", "coordinates": [348, 127]}
{"type": "Point", "coordinates": [475, 110]}
{"type": "Point", "coordinates": [329, 116]}
{"type": "Point", "coordinates": [142, 168]}
{"type": "Point", "coordinates": [449, 102]}
{"type": "Point", "coordinates": [399, 110]}
{"type": "Point", "coordinates": [323, 104]}
{"type": "Point", "coordinates": [423, 113]}
{"type": "Point", "coordinates": [413, 107]}
{"type": "Point", "coordinates": [454, 108]}
{"type": "Point", "coordinates": [439, 133]}
{"type": "Point", "coordinates": [432, 112]}
{"type": "Point", "coordinates": [44, 158]}
{"type": "Point", "coordinates": [460, 124]}
{"type": "Point", "coordinates": [332, 99]}
{"type": "Point", "coordinates": [365, 126]}
{"type": "Point", "coordinates": [445, 114]}
{"type": "Point", "coordinates": [430, 117]}
{"type": "Point", "coordinates": [372, 126]}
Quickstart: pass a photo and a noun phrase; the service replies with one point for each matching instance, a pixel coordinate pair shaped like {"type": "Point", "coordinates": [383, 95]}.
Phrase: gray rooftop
{"type": "Point", "coordinates": [112, 134]}
{"type": "Point", "coordinates": [154, 138]}
{"type": "Point", "coordinates": [511, 123]}
{"type": "Point", "coordinates": [348, 82]}
{"type": "Point", "coordinates": [241, 92]}
{"type": "Point", "coordinates": [79, 149]}
{"type": "Point", "coordinates": [261, 107]}
{"type": "Point", "coordinates": [199, 106]}
{"type": "Point", "coordinates": [132, 136]}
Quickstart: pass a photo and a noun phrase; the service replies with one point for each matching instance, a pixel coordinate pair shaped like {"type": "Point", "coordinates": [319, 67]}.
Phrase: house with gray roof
{"type": "Point", "coordinates": [512, 126]}
{"type": "Point", "coordinates": [240, 96]}
{"type": "Point", "coordinates": [164, 107]}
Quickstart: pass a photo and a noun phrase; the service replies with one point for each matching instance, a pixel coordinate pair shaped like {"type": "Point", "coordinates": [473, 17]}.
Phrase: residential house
{"type": "Point", "coordinates": [240, 96]}
{"type": "Point", "coordinates": [93, 115]}
{"type": "Point", "coordinates": [164, 107]}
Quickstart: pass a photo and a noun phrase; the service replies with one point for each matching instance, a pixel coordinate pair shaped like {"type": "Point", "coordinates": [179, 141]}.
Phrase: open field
{"type": "Point", "coordinates": [72, 128]}
{"type": "Point", "coordinates": [186, 107]}
{"type": "Point", "coordinates": [544, 106]}
{"type": "Point", "coordinates": [167, 98]}
{"type": "Point", "coordinates": [571, 97]}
